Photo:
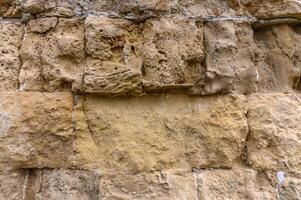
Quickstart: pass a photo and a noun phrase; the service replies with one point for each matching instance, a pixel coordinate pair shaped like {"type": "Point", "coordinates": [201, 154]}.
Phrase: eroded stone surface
{"type": "Point", "coordinates": [53, 61]}
{"type": "Point", "coordinates": [267, 8]}
{"type": "Point", "coordinates": [274, 141]}
{"type": "Point", "coordinates": [35, 130]}
{"type": "Point", "coordinates": [159, 132]}
{"type": "Point", "coordinates": [11, 35]}
{"type": "Point", "coordinates": [229, 58]}
{"type": "Point", "coordinates": [172, 53]}
{"type": "Point", "coordinates": [278, 58]}
{"type": "Point", "coordinates": [54, 184]}
{"type": "Point", "coordinates": [114, 63]}
{"type": "Point", "coordinates": [163, 185]}
{"type": "Point", "coordinates": [12, 185]}
{"type": "Point", "coordinates": [237, 183]}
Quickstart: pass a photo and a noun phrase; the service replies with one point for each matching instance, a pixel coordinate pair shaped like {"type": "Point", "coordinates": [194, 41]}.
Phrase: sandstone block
{"type": "Point", "coordinates": [163, 185]}
{"type": "Point", "coordinates": [114, 63]}
{"type": "Point", "coordinates": [274, 141]}
{"type": "Point", "coordinates": [52, 61]}
{"type": "Point", "coordinates": [267, 8]}
{"type": "Point", "coordinates": [54, 184]}
{"type": "Point", "coordinates": [278, 58]}
{"type": "Point", "coordinates": [172, 53]}
{"type": "Point", "coordinates": [11, 35]}
{"type": "Point", "coordinates": [206, 8]}
{"type": "Point", "coordinates": [12, 185]}
{"type": "Point", "coordinates": [165, 131]}
{"type": "Point", "coordinates": [229, 58]}
{"type": "Point", "coordinates": [35, 130]}
{"type": "Point", "coordinates": [237, 184]}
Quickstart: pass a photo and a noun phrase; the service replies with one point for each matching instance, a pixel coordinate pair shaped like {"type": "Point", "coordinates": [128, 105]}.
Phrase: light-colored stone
{"type": "Point", "coordinates": [114, 63]}
{"type": "Point", "coordinates": [274, 141]}
{"type": "Point", "coordinates": [53, 61]}
{"type": "Point", "coordinates": [267, 8]}
{"type": "Point", "coordinates": [42, 25]}
{"type": "Point", "coordinates": [278, 58]}
{"type": "Point", "coordinates": [57, 184]}
{"type": "Point", "coordinates": [163, 185]}
{"type": "Point", "coordinates": [229, 58]}
{"type": "Point", "coordinates": [165, 131]}
{"type": "Point", "coordinates": [35, 130]}
{"type": "Point", "coordinates": [235, 184]}
{"type": "Point", "coordinates": [12, 185]}
{"type": "Point", "coordinates": [206, 8]}
{"type": "Point", "coordinates": [172, 53]}
{"type": "Point", "coordinates": [11, 35]}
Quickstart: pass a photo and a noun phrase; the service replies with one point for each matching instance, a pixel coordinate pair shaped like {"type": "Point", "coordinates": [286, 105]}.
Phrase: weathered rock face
{"type": "Point", "coordinates": [274, 140]}
{"type": "Point", "coordinates": [52, 54]}
{"type": "Point", "coordinates": [166, 131]}
{"type": "Point", "coordinates": [36, 130]}
{"type": "Point", "coordinates": [158, 99]}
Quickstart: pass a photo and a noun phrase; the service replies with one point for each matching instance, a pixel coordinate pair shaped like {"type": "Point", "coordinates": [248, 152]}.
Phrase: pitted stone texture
{"type": "Point", "coordinates": [12, 185]}
{"type": "Point", "coordinates": [267, 8]}
{"type": "Point", "coordinates": [35, 130]}
{"type": "Point", "coordinates": [274, 141]}
{"type": "Point", "coordinates": [11, 35]}
{"type": "Point", "coordinates": [10, 9]}
{"type": "Point", "coordinates": [53, 61]}
{"type": "Point", "coordinates": [172, 53]}
{"type": "Point", "coordinates": [138, 10]}
{"type": "Point", "coordinates": [43, 8]}
{"type": "Point", "coordinates": [55, 184]}
{"type": "Point", "coordinates": [163, 185]}
{"type": "Point", "coordinates": [114, 63]}
{"type": "Point", "coordinates": [237, 184]}
{"type": "Point", "coordinates": [160, 132]}
{"type": "Point", "coordinates": [278, 58]}
{"type": "Point", "coordinates": [206, 8]}
{"type": "Point", "coordinates": [229, 58]}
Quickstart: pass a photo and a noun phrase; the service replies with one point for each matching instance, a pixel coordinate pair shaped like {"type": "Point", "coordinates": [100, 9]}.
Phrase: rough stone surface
{"type": "Point", "coordinates": [56, 184]}
{"type": "Point", "coordinates": [274, 139]}
{"type": "Point", "coordinates": [229, 58]}
{"type": "Point", "coordinates": [172, 53]}
{"type": "Point", "coordinates": [114, 63]}
{"type": "Point", "coordinates": [278, 58]}
{"type": "Point", "coordinates": [175, 184]}
{"type": "Point", "coordinates": [238, 183]}
{"type": "Point", "coordinates": [35, 130]}
{"type": "Point", "coordinates": [12, 184]}
{"type": "Point", "coordinates": [11, 35]}
{"type": "Point", "coordinates": [155, 132]}
{"type": "Point", "coordinates": [157, 99]}
{"type": "Point", "coordinates": [52, 61]}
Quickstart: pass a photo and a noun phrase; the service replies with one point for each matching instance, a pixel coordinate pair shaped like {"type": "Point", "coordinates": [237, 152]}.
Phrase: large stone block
{"type": "Point", "coordinates": [172, 53]}
{"type": "Point", "coordinates": [52, 54]}
{"type": "Point", "coordinates": [229, 58]}
{"type": "Point", "coordinates": [35, 130]}
{"type": "Point", "coordinates": [55, 184]}
{"type": "Point", "coordinates": [274, 141]}
{"type": "Point", "coordinates": [161, 185]}
{"type": "Point", "coordinates": [160, 132]}
{"type": "Point", "coordinates": [278, 58]}
{"type": "Point", "coordinates": [239, 183]}
{"type": "Point", "coordinates": [11, 35]}
{"type": "Point", "coordinates": [114, 63]}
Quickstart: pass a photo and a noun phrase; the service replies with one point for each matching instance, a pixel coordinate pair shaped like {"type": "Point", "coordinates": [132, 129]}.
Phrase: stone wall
{"type": "Point", "coordinates": [157, 99]}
